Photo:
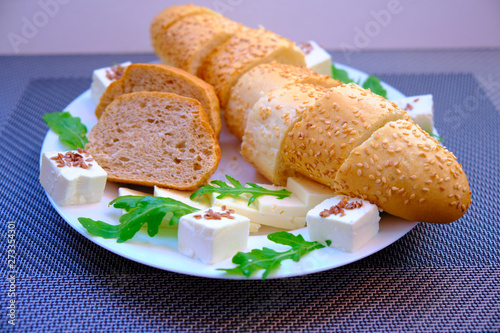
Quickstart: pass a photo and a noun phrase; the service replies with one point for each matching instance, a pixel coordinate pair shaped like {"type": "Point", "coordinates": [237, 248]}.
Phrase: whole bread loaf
{"type": "Point", "coordinates": [359, 144]}
{"type": "Point", "coordinates": [155, 138]}
{"type": "Point", "coordinates": [163, 78]}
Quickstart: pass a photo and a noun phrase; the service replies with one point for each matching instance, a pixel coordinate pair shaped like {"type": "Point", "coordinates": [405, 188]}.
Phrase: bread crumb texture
{"type": "Point", "coordinates": [153, 138]}
{"type": "Point", "coordinates": [404, 171]}
{"type": "Point", "coordinates": [163, 78]}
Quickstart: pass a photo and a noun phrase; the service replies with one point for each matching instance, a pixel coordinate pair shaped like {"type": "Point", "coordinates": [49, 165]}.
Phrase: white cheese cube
{"type": "Point", "coordinates": [122, 191]}
{"type": "Point", "coordinates": [421, 110]}
{"type": "Point", "coordinates": [317, 58]}
{"type": "Point", "coordinates": [100, 81]}
{"type": "Point", "coordinates": [240, 206]}
{"type": "Point", "coordinates": [254, 227]}
{"type": "Point", "coordinates": [309, 191]}
{"type": "Point", "coordinates": [211, 240]}
{"type": "Point", "coordinates": [348, 230]}
{"type": "Point", "coordinates": [72, 183]}
{"type": "Point", "coordinates": [200, 202]}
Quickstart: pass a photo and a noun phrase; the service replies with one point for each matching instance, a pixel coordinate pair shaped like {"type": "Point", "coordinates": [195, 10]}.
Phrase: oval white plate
{"type": "Point", "coordinates": [161, 251]}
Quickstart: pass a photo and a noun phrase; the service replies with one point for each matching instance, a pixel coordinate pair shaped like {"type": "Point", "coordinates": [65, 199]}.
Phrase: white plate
{"type": "Point", "coordinates": [161, 250]}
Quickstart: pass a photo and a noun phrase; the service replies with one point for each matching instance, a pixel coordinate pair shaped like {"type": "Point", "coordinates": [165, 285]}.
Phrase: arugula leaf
{"type": "Point", "coordinates": [437, 137]}
{"type": "Point", "coordinates": [373, 83]}
{"type": "Point", "coordinates": [269, 259]}
{"type": "Point", "coordinates": [140, 210]}
{"type": "Point", "coordinates": [340, 74]}
{"type": "Point", "coordinates": [70, 129]}
{"type": "Point", "coordinates": [237, 189]}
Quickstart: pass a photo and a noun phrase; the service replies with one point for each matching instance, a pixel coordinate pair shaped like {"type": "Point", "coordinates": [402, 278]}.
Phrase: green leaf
{"type": "Point", "coordinates": [140, 210]}
{"type": "Point", "coordinates": [373, 83]}
{"type": "Point", "coordinates": [269, 260]}
{"type": "Point", "coordinates": [341, 75]}
{"type": "Point", "coordinates": [218, 186]}
{"type": "Point", "coordinates": [437, 137]}
{"type": "Point", "coordinates": [70, 129]}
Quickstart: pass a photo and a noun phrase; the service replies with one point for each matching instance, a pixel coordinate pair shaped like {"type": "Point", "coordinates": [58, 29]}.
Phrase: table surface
{"type": "Point", "coordinates": [436, 278]}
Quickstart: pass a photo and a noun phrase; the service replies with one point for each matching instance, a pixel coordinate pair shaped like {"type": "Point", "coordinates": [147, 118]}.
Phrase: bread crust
{"type": "Point", "coordinates": [170, 16]}
{"type": "Point", "coordinates": [155, 138]}
{"type": "Point", "coordinates": [404, 171]}
{"type": "Point", "coordinates": [186, 43]}
{"type": "Point", "coordinates": [246, 49]}
{"type": "Point", "coordinates": [163, 78]}
{"type": "Point", "coordinates": [341, 120]}
{"type": "Point", "coordinates": [261, 80]}
{"type": "Point", "coordinates": [268, 125]}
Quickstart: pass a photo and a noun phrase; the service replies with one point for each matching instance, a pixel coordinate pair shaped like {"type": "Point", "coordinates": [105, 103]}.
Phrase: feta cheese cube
{"type": "Point", "coordinates": [122, 191]}
{"type": "Point", "coordinates": [101, 80]}
{"type": "Point", "coordinates": [240, 206]}
{"type": "Point", "coordinates": [421, 110]}
{"type": "Point", "coordinates": [317, 58]}
{"type": "Point", "coordinates": [309, 191]}
{"type": "Point", "coordinates": [69, 182]}
{"type": "Point", "coordinates": [212, 240]}
{"type": "Point", "coordinates": [347, 230]}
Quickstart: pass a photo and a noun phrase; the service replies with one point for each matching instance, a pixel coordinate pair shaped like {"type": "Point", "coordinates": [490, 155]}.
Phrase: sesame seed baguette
{"type": "Point", "coordinates": [246, 49]}
{"type": "Point", "coordinates": [261, 80]}
{"type": "Point", "coordinates": [404, 171]}
{"type": "Point", "coordinates": [186, 43]}
{"type": "Point", "coordinates": [155, 138]}
{"type": "Point", "coordinates": [345, 117]}
{"type": "Point", "coordinates": [269, 122]}
{"type": "Point", "coordinates": [163, 78]}
{"type": "Point", "coordinates": [170, 16]}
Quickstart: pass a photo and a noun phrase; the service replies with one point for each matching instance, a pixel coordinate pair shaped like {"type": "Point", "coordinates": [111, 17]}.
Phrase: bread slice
{"type": "Point", "coordinates": [261, 80]}
{"type": "Point", "coordinates": [163, 78]}
{"type": "Point", "coordinates": [268, 125]}
{"type": "Point", "coordinates": [170, 16]}
{"type": "Point", "coordinates": [246, 49]}
{"type": "Point", "coordinates": [189, 41]}
{"type": "Point", "coordinates": [155, 138]}
{"type": "Point", "coordinates": [404, 171]}
{"type": "Point", "coordinates": [344, 118]}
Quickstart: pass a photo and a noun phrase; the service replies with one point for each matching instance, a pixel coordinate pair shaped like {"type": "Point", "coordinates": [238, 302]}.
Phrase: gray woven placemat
{"type": "Point", "coordinates": [436, 278]}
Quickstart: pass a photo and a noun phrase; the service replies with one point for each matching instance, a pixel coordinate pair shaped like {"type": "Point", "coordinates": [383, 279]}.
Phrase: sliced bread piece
{"type": "Point", "coordinates": [269, 122]}
{"type": "Point", "coordinates": [170, 16]}
{"type": "Point", "coordinates": [261, 80]}
{"type": "Point", "coordinates": [246, 49]}
{"type": "Point", "coordinates": [155, 138]}
{"type": "Point", "coordinates": [189, 41]}
{"type": "Point", "coordinates": [163, 78]}
{"type": "Point", "coordinates": [344, 118]}
{"type": "Point", "coordinates": [404, 171]}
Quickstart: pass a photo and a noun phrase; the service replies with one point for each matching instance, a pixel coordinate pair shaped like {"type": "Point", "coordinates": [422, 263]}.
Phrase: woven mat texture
{"type": "Point", "coordinates": [436, 278]}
